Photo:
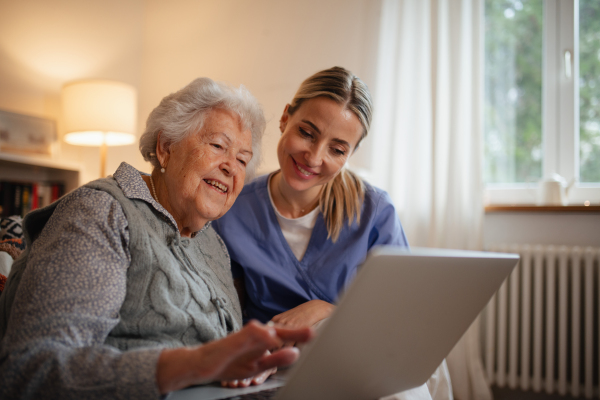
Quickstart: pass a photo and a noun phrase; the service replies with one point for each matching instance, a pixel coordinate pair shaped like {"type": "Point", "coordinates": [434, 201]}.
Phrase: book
{"type": "Point", "coordinates": [19, 198]}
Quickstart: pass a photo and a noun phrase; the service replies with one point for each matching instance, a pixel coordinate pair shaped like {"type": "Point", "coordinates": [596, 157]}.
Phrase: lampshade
{"type": "Point", "coordinates": [99, 112]}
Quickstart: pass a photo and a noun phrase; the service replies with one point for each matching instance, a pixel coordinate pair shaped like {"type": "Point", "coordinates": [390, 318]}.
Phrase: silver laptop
{"type": "Point", "coordinates": [392, 328]}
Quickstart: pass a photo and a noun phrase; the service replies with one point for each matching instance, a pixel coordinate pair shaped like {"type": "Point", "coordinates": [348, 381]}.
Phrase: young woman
{"type": "Point", "coordinates": [297, 236]}
{"type": "Point", "coordinates": [307, 227]}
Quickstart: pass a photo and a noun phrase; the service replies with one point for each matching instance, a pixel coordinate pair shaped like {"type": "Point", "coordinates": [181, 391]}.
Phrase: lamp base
{"type": "Point", "coordinates": [103, 149]}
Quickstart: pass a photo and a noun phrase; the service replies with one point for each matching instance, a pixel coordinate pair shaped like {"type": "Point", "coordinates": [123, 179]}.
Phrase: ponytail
{"type": "Point", "coordinates": [343, 196]}
{"type": "Point", "coordinates": [341, 199]}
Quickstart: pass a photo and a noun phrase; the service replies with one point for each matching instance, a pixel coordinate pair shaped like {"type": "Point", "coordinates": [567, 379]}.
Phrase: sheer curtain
{"type": "Point", "coordinates": [426, 144]}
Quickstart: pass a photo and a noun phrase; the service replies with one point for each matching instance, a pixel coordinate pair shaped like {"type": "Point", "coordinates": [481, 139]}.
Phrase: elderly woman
{"type": "Point", "coordinates": [125, 289]}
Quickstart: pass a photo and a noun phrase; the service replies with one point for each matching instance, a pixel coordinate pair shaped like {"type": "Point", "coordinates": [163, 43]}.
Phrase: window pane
{"type": "Point", "coordinates": [589, 90]}
{"type": "Point", "coordinates": [513, 91]}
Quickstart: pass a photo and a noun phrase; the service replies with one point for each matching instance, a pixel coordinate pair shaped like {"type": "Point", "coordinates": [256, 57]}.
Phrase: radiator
{"type": "Point", "coordinates": [540, 330]}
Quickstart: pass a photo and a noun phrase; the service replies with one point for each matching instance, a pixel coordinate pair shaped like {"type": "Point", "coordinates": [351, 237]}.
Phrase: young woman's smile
{"type": "Point", "coordinates": [315, 144]}
{"type": "Point", "coordinates": [303, 171]}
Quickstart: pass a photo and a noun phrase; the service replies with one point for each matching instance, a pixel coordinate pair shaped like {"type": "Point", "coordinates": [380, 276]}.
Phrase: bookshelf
{"type": "Point", "coordinates": [28, 182]}
{"type": "Point", "coordinates": [21, 168]}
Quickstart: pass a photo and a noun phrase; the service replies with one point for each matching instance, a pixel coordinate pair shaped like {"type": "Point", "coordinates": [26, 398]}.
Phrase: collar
{"type": "Point", "coordinates": [133, 187]}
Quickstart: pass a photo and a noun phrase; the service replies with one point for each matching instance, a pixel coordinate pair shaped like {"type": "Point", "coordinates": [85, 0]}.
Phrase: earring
{"type": "Point", "coordinates": [162, 170]}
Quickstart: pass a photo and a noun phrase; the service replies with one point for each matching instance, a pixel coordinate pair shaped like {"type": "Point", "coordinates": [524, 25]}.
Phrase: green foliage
{"type": "Point", "coordinates": [513, 90]}
{"type": "Point", "coordinates": [589, 90]}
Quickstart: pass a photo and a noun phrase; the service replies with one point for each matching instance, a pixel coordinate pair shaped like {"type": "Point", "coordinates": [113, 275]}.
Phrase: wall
{"type": "Point", "coordinates": [45, 44]}
{"type": "Point", "coordinates": [268, 45]}
{"type": "Point", "coordinates": [571, 229]}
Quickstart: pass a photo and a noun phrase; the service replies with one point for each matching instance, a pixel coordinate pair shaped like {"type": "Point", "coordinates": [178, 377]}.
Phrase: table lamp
{"type": "Point", "coordinates": [99, 113]}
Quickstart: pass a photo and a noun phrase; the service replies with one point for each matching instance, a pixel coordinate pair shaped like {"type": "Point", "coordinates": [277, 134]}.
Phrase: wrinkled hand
{"type": "Point", "coordinates": [305, 315]}
{"type": "Point", "coordinates": [238, 356]}
{"type": "Point", "coordinates": [255, 380]}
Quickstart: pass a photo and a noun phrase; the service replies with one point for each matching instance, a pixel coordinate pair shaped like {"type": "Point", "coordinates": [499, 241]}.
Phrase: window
{"type": "Point", "coordinates": [542, 98]}
{"type": "Point", "coordinates": [589, 90]}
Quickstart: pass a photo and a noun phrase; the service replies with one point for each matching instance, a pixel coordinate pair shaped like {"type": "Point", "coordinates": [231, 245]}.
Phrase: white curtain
{"type": "Point", "coordinates": [426, 138]}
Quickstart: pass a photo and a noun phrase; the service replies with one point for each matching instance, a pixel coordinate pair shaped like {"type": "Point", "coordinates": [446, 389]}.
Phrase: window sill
{"type": "Point", "coordinates": [542, 209]}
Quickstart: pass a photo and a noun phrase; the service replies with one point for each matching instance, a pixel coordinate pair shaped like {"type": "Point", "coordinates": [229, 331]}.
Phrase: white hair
{"type": "Point", "coordinates": [182, 113]}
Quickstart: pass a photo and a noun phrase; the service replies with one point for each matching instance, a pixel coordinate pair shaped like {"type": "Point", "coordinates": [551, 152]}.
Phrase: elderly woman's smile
{"type": "Point", "coordinates": [205, 171]}
{"type": "Point", "coordinates": [217, 185]}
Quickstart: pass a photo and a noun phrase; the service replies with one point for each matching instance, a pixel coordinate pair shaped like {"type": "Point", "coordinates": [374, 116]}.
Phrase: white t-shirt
{"type": "Point", "coordinates": [296, 231]}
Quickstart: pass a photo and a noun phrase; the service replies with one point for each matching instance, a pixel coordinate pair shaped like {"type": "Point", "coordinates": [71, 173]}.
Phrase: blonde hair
{"type": "Point", "coordinates": [343, 196]}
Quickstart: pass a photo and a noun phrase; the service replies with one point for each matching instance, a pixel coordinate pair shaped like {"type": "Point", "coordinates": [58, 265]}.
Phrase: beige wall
{"type": "Point", "coordinates": [44, 44]}
{"type": "Point", "coordinates": [268, 45]}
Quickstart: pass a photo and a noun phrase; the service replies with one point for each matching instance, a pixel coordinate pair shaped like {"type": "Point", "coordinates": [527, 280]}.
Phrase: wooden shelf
{"type": "Point", "coordinates": [543, 209]}
{"type": "Point", "coordinates": [39, 161]}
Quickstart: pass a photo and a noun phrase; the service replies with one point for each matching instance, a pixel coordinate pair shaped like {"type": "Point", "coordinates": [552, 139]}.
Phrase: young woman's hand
{"type": "Point", "coordinates": [305, 315]}
{"type": "Point", "coordinates": [239, 356]}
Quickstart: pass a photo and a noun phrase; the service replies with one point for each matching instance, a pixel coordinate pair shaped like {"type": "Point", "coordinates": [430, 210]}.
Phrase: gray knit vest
{"type": "Point", "coordinates": [179, 290]}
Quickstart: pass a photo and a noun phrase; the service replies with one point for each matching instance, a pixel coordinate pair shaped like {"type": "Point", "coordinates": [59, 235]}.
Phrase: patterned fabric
{"type": "Point", "coordinates": [11, 227]}
{"type": "Point", "coordinates": [14, 247]}
{"type": "Point", "coordinates": [96, 261]}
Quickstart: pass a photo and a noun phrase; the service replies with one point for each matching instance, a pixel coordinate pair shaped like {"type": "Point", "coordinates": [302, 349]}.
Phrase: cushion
{"type": "Point", "coordinates": [14, 247]}
{"type": "Point", "coordinates": [11, 227]}
{"type": "Point", "coordinates": [11, 244]}
{"type": "Point", "coordinates": [2, 282]}
{"type": "Point", "coordinates": [6, 262]}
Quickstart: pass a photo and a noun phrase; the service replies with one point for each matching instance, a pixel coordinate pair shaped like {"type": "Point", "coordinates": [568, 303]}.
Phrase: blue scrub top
{"type": "Point", "coordinates": [275, 280]}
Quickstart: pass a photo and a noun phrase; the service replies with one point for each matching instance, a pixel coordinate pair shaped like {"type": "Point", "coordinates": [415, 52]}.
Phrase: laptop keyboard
{"type": "Point", "coordinates": [261, 395]}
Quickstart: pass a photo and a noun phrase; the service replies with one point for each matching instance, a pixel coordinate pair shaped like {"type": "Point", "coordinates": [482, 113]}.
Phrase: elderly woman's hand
{"type": "Point", "coordinates": [254, 380]}
{"type": "Point", "coordinates": [238, 356]}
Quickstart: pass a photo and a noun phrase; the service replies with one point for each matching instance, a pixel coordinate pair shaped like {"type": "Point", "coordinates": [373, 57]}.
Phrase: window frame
{"type": "Point", "coordinates": [560, 113]}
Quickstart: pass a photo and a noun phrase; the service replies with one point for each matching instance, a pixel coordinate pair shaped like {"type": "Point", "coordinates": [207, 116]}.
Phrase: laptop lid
{"type": "Point", "coordinates": [400, 318]}
{"type": "Point", "coordinates": [392, 328]}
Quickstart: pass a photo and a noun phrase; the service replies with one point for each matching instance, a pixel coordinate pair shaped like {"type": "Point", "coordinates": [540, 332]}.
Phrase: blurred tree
{"type": "Point", "coordinates": [513, 91]}
{"type": "Point", "coordinates": [589, 90]}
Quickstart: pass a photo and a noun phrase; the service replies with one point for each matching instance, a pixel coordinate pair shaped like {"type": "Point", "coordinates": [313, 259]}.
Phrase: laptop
{"type": "Point", "coordinates": [392, 328]}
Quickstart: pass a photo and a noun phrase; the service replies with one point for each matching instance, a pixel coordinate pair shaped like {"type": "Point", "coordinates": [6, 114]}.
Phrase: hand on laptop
{"type": "Point", "coordinates": [238, 356]}
{"type": "Point", "coordinates": [305, 315]}
{"type": "Point", "coordinates": [255, 380]}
